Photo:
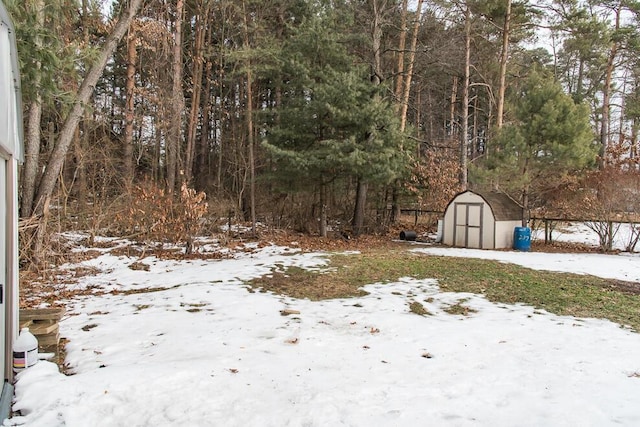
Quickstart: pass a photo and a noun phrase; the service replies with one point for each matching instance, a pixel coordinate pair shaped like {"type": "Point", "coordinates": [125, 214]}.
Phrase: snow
{"type": "Point", "coordinates": [622, 267]}
{"type": "Point", "coordinates": [205, 350]}
{"type": "Point", "coordinates": [580, 233]}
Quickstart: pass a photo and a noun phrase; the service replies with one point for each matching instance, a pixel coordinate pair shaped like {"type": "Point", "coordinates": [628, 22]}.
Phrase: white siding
{"type": "Point", "coordinates": [8, 103]}
{"type": "Point", "coordinates": [504, 233]}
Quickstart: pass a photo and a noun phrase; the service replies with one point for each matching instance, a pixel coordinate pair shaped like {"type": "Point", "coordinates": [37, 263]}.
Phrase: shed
{"type": "Point", "coordinates": [481, 220]}
{"type": "Point", "coordinates": [11, 153]}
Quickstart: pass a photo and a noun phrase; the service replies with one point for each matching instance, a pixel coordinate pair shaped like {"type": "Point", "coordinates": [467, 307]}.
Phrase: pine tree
{"type": "Point", "coordinates": [332, 124]}
{"type": "Point", "coordinates": [550, 137]}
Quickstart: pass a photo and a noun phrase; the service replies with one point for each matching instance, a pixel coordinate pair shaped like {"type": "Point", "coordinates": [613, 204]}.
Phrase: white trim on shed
{"type": "Point", "coordinates": [481, 220]}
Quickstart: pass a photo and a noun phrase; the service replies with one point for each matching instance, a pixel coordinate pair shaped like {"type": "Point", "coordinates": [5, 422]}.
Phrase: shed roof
{"type": "Point", "coordinates": [504, 207]}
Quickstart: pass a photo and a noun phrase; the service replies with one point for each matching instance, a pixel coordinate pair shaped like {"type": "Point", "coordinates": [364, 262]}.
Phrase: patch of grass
{"type": "Point", "coordinates": [559, 293]}
{"type": "Point", "coordinates": [417, 308]}
{"type": "Point", "coordinates": [314, 285]}
{"type": "Point", "coordinates": [141, 290]}
{"type": "Point", "coordinates": [140, 266]}
{"type": "Point", "coordinates": [459, 308]}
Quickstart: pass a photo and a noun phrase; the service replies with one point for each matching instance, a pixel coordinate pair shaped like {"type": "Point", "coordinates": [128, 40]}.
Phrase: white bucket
{"type": "Point", "coordinates": [25, 350]}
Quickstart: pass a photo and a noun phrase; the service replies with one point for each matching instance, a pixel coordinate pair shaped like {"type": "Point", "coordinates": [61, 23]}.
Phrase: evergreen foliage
{"type": "Point", "coordinates": [332, 123]}
{"type": "Point", "coordinates": [548, 138]}
{"type": "Point", "coordinates": [48, 52]}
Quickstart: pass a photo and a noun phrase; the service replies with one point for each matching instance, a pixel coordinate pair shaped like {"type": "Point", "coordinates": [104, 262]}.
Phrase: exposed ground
{"type": "Point", "coordinates": [51, 284]}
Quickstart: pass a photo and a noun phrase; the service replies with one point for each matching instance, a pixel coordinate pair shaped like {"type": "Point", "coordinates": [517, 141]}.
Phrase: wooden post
{"type": "Point", "coordinates": [546, 231]}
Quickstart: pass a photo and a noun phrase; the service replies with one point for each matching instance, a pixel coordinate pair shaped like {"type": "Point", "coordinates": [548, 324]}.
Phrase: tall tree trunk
{"type": "Point", "coordinates": [219, 130]}
{"type": "Point", "coordinates": [580, 84]}
{"type": "Point", "coordinates": [606, 97]}
{"type": "Point", "coordinates": [323, 210]}
{"type": "Point", "coordinates": [158, 172]}
{"type": "Point", "coordinates": [475, 139]}
{"type": "Point", "coordinates": [622, 113]}
{"type": "Point", "coordinates": [174, 139]}
{"type": "Point", "coordinates": [400, 81]}
{"type": "Point", "coordinates": [80, 143]}
{"type": "Point", "coordinates": [360, 207]}
{"type": "Point", "coordinates": [406, 91]}
{"type": "Point", "coordinates": [129, 111]}
{"type": "Point", "coordinates": [465, 100]}
{"type": "Point", "coordinates": [32, 156]}
{"type": "Point", "coordinates": [249, 117]}
{"type": "Point", "coordinates": [401, 47]}
{"type": "Point", "coordinates": [504, 56]}
{"type": "Point", "coordinates": [525, 206]}
{"type": "Point", "coordinates": [54, 166]}
{"type": "Point", "coordinates": [32, 146]}
{"type": "Point", "coordinates": [202, 159]}
{"type": "Point", "coordinates": [412, 60]}
{"type": "Point", "coordinates": [201, 25]}
{"type": "Point", "coordinates": [452, 107]}
{"type": "Point", "coordinates": [633, 144]}
{"type": "Point", "coordinates": [376, 43]}
{"type": "Point", "coordinates": [81, 139]}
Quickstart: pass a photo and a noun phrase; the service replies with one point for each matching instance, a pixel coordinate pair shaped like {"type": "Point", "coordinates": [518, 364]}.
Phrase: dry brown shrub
{"type": "Point", "coordinates": [153, 215]}
{"type": "Point", "coordinates": [435, 177]}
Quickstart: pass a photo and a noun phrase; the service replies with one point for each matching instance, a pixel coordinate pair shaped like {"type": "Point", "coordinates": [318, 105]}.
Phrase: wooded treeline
{"type": "Point", "coordinates": [320, 114]}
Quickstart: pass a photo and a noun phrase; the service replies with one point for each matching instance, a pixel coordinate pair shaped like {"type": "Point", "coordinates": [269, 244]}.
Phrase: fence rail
{"type": "Point", "coordinates": [609, 229]}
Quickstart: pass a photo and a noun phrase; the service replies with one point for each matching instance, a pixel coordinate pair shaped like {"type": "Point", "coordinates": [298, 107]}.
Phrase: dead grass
{"type": "Point", "coordinates": [459, 309]}
{"type": "Point", "coordinates": [300, 283]}
{"type": "Point", "coordinates": [418, 308]}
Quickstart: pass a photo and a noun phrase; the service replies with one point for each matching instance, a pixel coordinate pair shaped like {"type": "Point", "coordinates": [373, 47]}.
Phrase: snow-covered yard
{"type": "Point", "coordinates": [204, 350]}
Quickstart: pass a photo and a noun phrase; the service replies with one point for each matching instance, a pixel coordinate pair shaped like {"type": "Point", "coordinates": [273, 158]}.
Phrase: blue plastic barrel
{"type": "Point", "coordinates": [522, 239]}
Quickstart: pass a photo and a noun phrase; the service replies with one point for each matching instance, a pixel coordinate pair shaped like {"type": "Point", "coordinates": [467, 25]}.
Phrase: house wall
{"type": "Point", "coordinates": [9, 252]}
{"type": "Point", "coordinates": [10, 156]}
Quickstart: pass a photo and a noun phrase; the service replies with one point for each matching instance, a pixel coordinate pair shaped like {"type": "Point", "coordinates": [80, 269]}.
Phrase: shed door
{"type": "Point", "coordinates": [467, 232]}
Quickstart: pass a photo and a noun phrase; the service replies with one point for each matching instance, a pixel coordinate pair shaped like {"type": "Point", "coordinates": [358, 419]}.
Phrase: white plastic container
{"type": "Point", "coordinates": [25, 350]}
